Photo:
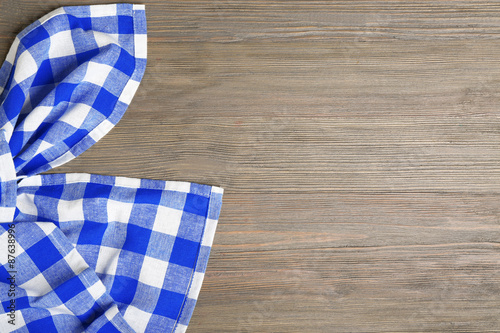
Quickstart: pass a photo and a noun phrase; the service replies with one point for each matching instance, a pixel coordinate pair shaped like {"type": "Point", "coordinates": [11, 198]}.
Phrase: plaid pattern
{"type": "Point", "coordinates": [92, 253]}
{"type": "Point", "coordinates": [67, 80]}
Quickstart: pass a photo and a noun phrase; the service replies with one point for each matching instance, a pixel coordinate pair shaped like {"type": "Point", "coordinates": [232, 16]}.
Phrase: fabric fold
{"type": "Point", "coordinates": [67, 81]}
{"type": "Point", "coordinates": [88, 252]}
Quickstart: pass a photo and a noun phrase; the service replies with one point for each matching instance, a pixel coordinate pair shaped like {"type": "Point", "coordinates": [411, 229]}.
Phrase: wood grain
{"type": "Point", "coordinates": [358, 145]}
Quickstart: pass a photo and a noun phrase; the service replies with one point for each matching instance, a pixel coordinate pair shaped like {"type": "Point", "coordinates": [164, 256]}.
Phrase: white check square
{"type": "Point", "coordinates": [76, 114]}
{"type": "Point", "coordinates": [26, 67]}
{"type": "Point", "coordinates": [137, 318]}
{"type": "Point", "coordinates": [70, 210]}
{"type": "Point", "coordinates": [153, 272]}
{"type": "Point", "coordinates": [119, 211]}
{"type": "Point", "coordinates": [37, 286]}
{"type": "Point", "coordinates": [97, 73]}
{"type": "Point", "coordinates": [103, 10]}
{"type": "Point", "coordinates": [107, 260]}
{"type": "Point", "coordinates": [167, 220]}
{"type": "Point", "coordinates": [61, 45]}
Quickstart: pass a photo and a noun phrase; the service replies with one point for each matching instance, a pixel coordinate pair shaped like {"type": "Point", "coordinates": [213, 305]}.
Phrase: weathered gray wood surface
{"type": "Point", "coordinates": [358, 143]}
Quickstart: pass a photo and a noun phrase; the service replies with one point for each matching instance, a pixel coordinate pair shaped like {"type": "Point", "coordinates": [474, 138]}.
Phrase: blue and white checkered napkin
{"type": "Point", "coordinates": [83, 252]}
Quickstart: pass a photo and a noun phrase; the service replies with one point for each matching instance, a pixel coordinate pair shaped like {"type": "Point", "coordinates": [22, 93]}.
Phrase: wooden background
{"type": "Point", "coordinates": [358, 146]}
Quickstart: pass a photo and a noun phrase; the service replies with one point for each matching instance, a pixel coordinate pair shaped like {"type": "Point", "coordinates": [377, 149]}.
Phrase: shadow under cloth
{"type": "Point", "coordinates": [83, 252]}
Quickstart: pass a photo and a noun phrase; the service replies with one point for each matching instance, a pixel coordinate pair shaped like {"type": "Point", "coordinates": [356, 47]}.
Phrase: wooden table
{"type": "Point", "coordinates": [358, 146]}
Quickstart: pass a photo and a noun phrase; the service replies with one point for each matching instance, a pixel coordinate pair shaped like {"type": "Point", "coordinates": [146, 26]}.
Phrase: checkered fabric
{"type": "Point", "coordinates": [82, 252]}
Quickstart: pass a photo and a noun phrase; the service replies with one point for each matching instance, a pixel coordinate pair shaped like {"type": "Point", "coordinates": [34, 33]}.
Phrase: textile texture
{"type": "Point", "coordinates": [83, 252]}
